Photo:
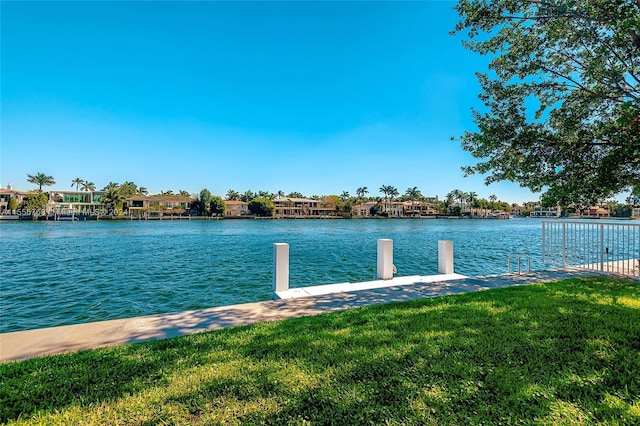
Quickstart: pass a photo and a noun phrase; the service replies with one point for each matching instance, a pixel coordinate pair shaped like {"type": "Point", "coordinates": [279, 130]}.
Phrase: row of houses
{"type": "Point", "coordinates": [305, 207]}
{"type": "Point", "coordinates": [90, 202]}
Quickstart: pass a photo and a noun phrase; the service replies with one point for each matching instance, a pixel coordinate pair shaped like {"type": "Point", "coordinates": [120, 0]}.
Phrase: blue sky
{"type": "Point", "coordinates": [314, 97]}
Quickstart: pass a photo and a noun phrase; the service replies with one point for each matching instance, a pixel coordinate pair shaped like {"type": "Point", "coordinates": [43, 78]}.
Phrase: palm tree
{"type": "Point", "coordinates": [77, 182]}
{"type": "Point", "coordinates": [459, 196]}
{"type": "Point", "coordinates": [493, 200]}
{"type": "Point", "coordinates": [385, 189]}
{"type": "Point", "coordinates": [265, 194]}
{"type": "Point", "coordinates": [128, 189]}
{"type": "Point", "coordinates": [88, 186]}
{"type": "Point", "coordinates": [413, 193]}
{"type": "Point", "coordinates": [361, 192]}
{"type": "Point", "coordinates": [280, 194]}
{"type": "Point", "coordinates": [142, 191]}
{"type": "Point", "coordinates": [448, 200]}
{"type": "Point", "coordinates": [232, 195]}
{"type": "Point", "coordinates": [111, 185]}
{"type": "Point", "coordinates": [345, 195]}
{"type": "Point", "coordinates": [41, 180]}
{"type": "Point", "coordinates": [112, 198]}
{"type": "Point", "coordinates": [248, 196]}
{"type": "Point", "coordinates": [390, 192]}
{"type": "Point", "coordinates": [472, 196]}
{"type": "Point", "coordinates": [393, 194]}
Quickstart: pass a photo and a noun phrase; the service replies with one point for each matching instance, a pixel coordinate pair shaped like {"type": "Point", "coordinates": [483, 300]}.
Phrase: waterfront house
{"type": "Point", "coordinates": [394, 208]}
{"type": "Point", "coordinates": [236, 208]}
{"type": "Point", "coordinates": [539, 211]}
{"type": "Point", "coordinates": [518, 210]}
{"type": "Point", "coordinates": [158, 205]}
{"type": "Point", "coordinates": [70, 202]}
{"type": "Point", "coordinates": [364, 209]}
{"type": "Point", "coordinates": [301, 207]}
{"type": "Point", "coordinates": [595, 213]}
{"type": "Point", "coordinates": [8, 193]}
{"type": "Point", "coordinates": [419, 208]}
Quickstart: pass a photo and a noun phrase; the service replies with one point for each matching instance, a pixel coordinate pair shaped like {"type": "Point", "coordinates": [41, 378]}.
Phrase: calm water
{"type": "Point", "coordinates": [56, 273]}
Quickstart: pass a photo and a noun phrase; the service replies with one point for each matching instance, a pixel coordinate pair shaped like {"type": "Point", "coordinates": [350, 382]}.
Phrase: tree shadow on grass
{"type": "Point", "coordinates": [523, 354]}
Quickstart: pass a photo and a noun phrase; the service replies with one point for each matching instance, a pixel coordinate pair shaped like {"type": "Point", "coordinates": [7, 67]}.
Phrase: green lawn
{"type": "Point", "coordinates": [559, 353]}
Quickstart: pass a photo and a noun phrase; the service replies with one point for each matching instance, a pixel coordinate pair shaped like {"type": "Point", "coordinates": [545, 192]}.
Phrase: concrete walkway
{"type": "Point", "coordinates": [49, 341]}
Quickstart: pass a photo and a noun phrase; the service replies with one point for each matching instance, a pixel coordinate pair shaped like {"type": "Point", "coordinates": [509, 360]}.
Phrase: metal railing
{"type": "Point", "coordinates": [519, 257]}
{"type": "Point", "coordinates": [605, 247]}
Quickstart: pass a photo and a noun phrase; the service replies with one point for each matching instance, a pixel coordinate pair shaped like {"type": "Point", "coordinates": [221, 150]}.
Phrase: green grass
{"type": "Point", "coordinates": [559, 353]}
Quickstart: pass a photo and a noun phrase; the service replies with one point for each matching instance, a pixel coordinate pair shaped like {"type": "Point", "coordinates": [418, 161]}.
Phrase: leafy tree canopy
{"type": "Point", "coordinates": [216, 205]}
{"type": "Point", "coordinates": [562, 97]}
{"type": "Point", "coordinates": [113, 198]}
{"type": "Point", "coordinates": [12, 204]}
{"type": "Point", "coordinates": [35, 202]}
{"type": "Point", "coordinates": [262, 207]}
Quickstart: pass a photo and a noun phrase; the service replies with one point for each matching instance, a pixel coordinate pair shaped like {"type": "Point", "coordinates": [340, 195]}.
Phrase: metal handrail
{"type": "Point", "coordinates": [518, 256]}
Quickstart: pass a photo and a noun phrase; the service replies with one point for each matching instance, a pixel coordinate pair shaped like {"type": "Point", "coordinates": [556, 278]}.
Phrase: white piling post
{"type": "Point", "coordinates": [280, 267]}
{"type": "Point", "coordinates": [445, 257]}
{"type": "Point", "coordinates": [385, 259]}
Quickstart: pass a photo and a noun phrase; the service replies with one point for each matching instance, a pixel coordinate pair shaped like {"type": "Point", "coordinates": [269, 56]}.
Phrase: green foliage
{"type": "Point", "coordinates": [34, 202]}
{"type": "Point", "coordinates": [77, 182]}
{"type": "Point", "coordinates": [216, 205]}
{"type": "Point", "coordinates": [563, 96]}
{"type": "Point", "coordinates": [12, 204]}
{"type": "Point", "coordinates": [247, 196]}
{"type": "Point", "coordinates": [361, 192]}
{"type": "Point", "coordinates": [88, 186]}
{"type": "Point", "coordinates": [203, 203]}
{"type": "Point", "coordinates": [128, 189]}
{"type": "Point", "coordinates": [330, 201]}
{"type": "Point", "coordinates": [41, 180]}
{"type": "Point", "coordinates": [345, 207]}
{"type": "Point", "coordinates": [114, 199]}
{"type": "Point", "coordinates": [111, 185]}
{"type": "Point", "coordinates": [205, 196]}
{"type": "Point", "coordinates": [560, 353]}
{"type": "Point", "coordinates": [232, 195]}
{"type": "Point", "coordinates": [262, 207]}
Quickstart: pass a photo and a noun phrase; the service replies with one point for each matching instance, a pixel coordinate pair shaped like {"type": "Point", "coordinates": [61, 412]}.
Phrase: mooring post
{"type": "Point", "coordinates": [445, 257]}
{"type": "Point", "coordinates": [280, 267]}
{"type": "Point", "coordinates": [385, 259]}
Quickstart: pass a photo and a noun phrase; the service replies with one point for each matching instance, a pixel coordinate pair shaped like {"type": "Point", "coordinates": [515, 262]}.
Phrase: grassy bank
{"type": "Point", "coordinates": [566, 352]}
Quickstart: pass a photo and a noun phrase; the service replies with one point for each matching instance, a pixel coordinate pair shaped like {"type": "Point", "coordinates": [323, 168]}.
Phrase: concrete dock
{"type": "Point", "coordinates": [22, 345]}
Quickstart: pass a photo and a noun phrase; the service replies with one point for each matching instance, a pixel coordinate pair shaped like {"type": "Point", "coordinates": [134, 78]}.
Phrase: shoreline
{"type": "Point", "coordinates": [39, 342]}
{"type": "Point", "coordinates": [111, 218]}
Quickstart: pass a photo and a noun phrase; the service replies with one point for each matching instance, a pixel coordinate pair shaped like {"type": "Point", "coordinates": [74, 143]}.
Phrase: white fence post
{"type": "Point", "coordinates": [385, 259]}
{"type": "Point", "coordinates": [280, 267]}
{"type": "Point", "coordinates": [445, 257]}
{"type": "Point", "coordinates": [564, 245]}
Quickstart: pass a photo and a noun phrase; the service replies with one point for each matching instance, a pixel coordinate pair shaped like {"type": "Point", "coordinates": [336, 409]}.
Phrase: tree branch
{"type": "Point", "coordinates": [635, 37]}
